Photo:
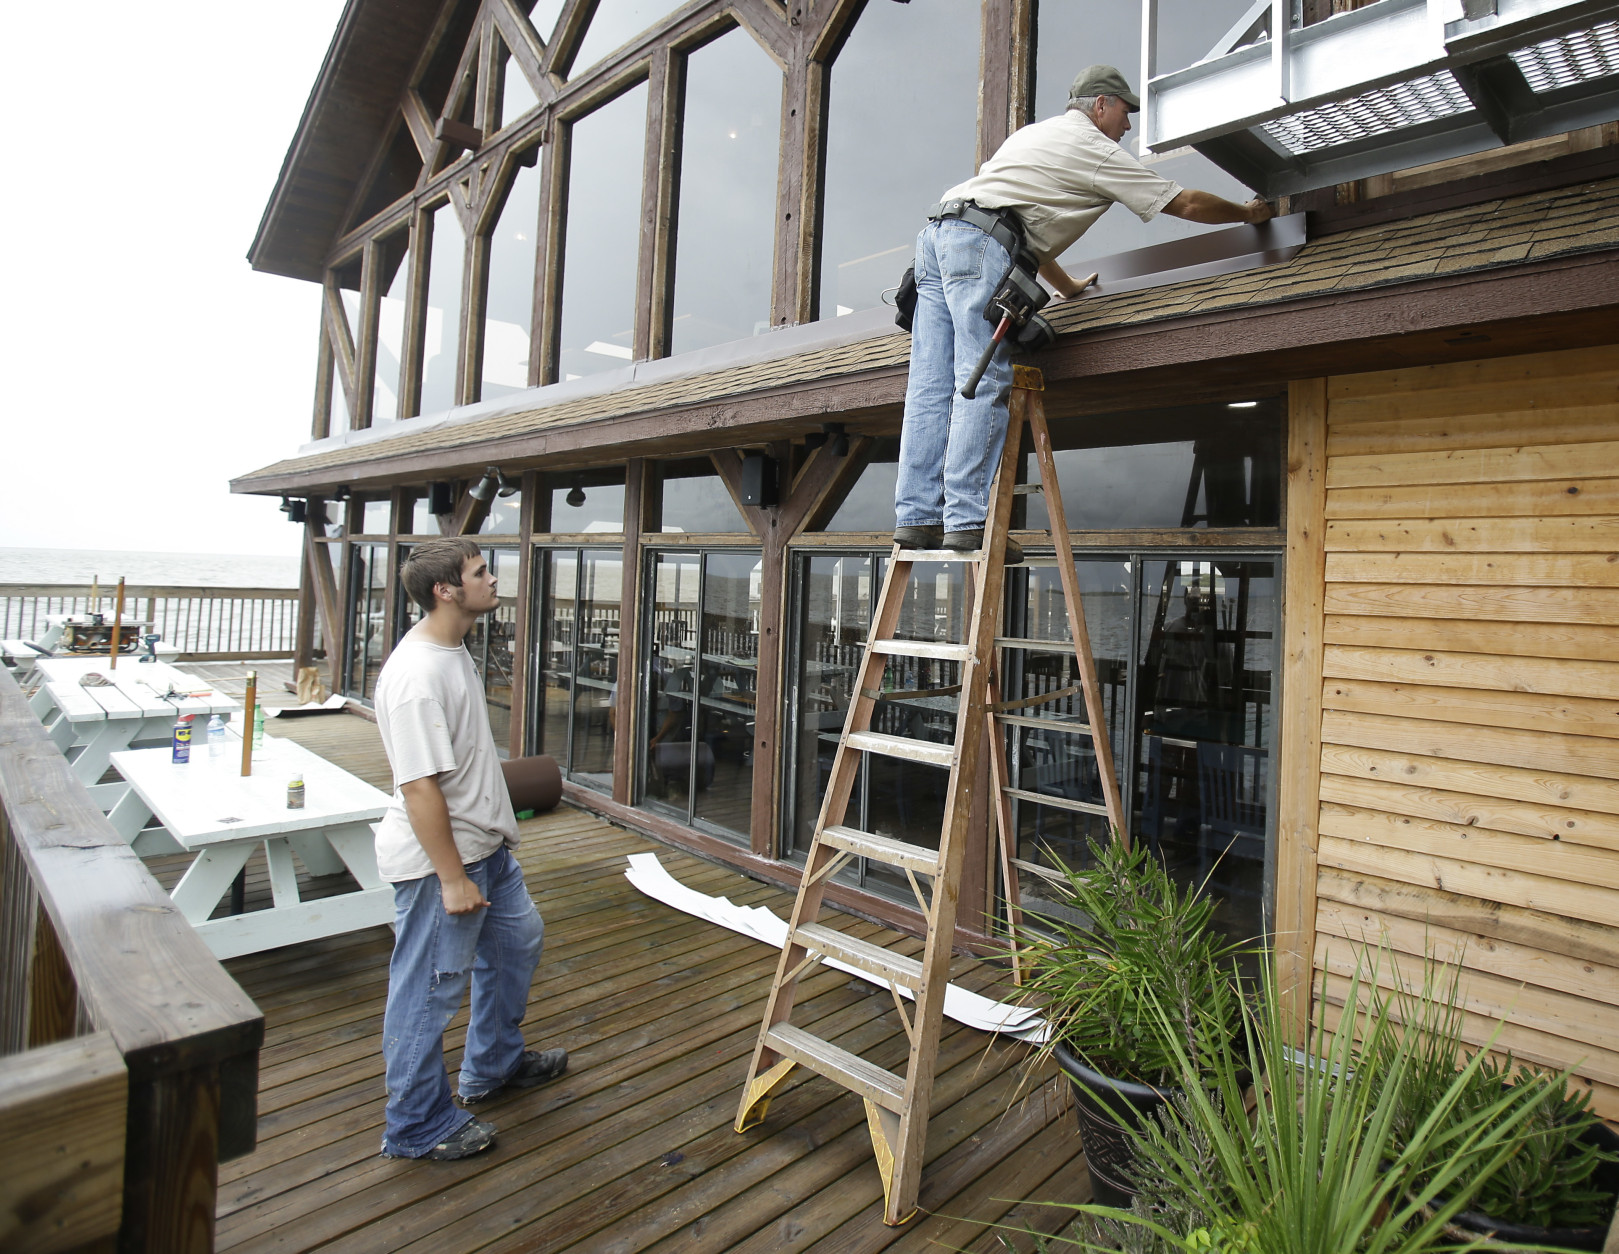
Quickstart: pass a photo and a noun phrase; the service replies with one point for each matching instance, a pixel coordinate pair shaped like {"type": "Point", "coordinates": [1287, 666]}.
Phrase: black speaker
{"type": "Point", "coordinates": [758, 480]}
{"type": "Point", "coordinates": [439, 500]}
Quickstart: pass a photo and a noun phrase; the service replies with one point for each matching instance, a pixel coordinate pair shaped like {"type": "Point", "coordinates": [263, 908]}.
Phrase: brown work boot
{"type": "Point", "coordinates": [972, 541]}
{"type": "Point", "coordinates": [929, 537]}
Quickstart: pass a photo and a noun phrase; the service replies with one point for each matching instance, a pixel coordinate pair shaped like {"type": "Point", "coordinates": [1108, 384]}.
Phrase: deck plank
{"type": "Point", "coordinates": [633, 1149]}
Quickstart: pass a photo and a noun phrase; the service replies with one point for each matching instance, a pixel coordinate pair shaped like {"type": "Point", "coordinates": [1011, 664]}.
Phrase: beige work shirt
{"type": "Point", "coordinates": [1059, 176]}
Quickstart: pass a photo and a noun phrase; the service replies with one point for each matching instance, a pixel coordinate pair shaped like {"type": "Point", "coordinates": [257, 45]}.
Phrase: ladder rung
{"type": "Point", "coordinates": [850, 1070]}
{"type": "Point", "coordinates": [1027, 489]}
{"type": "Point", "coordinates": [922, 648]}
{"type": "Point", "coordinates": [1060, 803]}
{"type": "Point", "coordinates": [1043, 724]}
{"type": "Point", "coordinates": [884, 849]}
{"type": "Point", "coordinates": [872, 959]}
{"type": "Point", "coordinates": [936, 555]}
{"type": "Point", "coordinates": [1034, 646]}
{"type": "Point", "coordinates": [903, 747]}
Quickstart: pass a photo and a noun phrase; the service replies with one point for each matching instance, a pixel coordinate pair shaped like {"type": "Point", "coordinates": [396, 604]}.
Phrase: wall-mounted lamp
{"type": "Point", "coordinates": [493, 483]}
{"type": "Point", "coordinates": [440, 499]}
{"type": "Point", "coordinates": [833, 431]}
{"type": "Point", "coordinates": [341, 493]}
{"type": "Point", "coordinates": [296, 511]}
{"type": "Point", "coordinates": [576, 494]}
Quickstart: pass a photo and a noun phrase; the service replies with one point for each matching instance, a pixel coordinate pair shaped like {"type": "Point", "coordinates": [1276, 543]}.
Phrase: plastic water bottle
{"type": "Point", "coordinates": [258, 727]}
{"type": "Point", "coordinates": [216, 738]}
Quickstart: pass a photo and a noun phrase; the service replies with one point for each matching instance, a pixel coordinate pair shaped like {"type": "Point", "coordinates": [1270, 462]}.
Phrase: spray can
{"type": "Point", "coordinates": [295, 793]}
{"type": "Point", "coordinates": [182, 738]}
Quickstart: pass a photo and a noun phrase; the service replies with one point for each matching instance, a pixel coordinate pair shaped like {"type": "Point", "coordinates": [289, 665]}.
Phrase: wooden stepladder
{"type": "Point", "coordinates": [897, 1106]}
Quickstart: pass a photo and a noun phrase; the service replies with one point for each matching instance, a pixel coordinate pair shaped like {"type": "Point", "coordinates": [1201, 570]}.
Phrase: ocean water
{"type": "Point", "coordinates": [77, 567]}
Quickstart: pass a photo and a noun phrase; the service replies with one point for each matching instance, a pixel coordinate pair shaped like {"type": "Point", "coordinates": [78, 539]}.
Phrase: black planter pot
{"type": "Point", "coordinates": [1106, 1107]}
{"type": "Point", "coordinates": [1606, 1177]}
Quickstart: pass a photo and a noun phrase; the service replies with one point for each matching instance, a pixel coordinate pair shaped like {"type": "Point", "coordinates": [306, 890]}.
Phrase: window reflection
{"type": "Point", "coordinates": [729, 154]}
{"type": "Point", "coordinates": [603, 236]}
{"type": "Point", "coordinates": [615, 23]}
{"type": "Point", "coordinates": [374, 518]}
{"type": "Point", "coordinates": [578, 638]}
{"type": "Point", "coordinates": [505, 516]}
{"type": "Point", "coordinates": [443, 314]}
{"type": "Point", "coordinates": [586, 503]}
{"type": "Point", "coordinates": [1075, 33]}
{"type": "Point", "coordinates": [367, 600]}
{"type": "Point", "coordinates": [869, 504]}
{"type": "Point", "coordinates": [509, 309]}
{"type": "Point", "coordinates": [393, 255]}
{"type": "Point", "coordinates": [901, 129]}
{"type": "Point", "coordinates": [695, 501]}
{"type": "Point", "coordinates": [491, 643]}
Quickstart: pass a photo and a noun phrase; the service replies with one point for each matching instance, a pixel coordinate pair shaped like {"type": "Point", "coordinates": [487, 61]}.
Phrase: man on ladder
{"type": "Point", "coordinates": [1040, 192]}
{"type": "Point", "coordinates": [979, 253]}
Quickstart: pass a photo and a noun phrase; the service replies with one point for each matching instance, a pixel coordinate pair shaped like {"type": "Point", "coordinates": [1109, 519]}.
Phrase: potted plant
{"type": "Point", "coordinates": [1133, 931]}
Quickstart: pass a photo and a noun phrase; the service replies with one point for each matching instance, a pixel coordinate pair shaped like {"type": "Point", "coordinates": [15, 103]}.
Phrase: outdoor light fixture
{"type": "Point", "coordinates": [576, 494]}
{"type": "Point", "coordinates": [341, 493]}
{"type": "Point", "coordinates": [494, 483]}
{"type": "Point", "coordinates": [833, 431]}
{"type": "Point", "coordinates": [296, 511]}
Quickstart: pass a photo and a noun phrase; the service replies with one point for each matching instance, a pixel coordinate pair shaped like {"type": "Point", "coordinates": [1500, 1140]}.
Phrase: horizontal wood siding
{"type": "Point", "coordinates": [1469, 789]}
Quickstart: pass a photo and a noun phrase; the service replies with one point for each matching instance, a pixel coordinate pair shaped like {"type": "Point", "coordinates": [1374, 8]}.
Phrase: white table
{"type": "Point", "coordinates": [207, 807]}
{"type": "Point", "coordinates": [90, 724]}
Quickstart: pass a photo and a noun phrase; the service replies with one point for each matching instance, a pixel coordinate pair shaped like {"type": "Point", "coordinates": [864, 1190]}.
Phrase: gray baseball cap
{"type": "Point", "coordinates": [1104, 80]}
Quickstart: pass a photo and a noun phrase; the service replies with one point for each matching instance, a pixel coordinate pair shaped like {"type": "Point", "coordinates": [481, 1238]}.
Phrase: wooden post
{"type": "Point", "coordinates": [640, 513]}
{"type": "Point", "coordinates": [117, 626]}
{"type": "Point", "coordinates": [248, 704]}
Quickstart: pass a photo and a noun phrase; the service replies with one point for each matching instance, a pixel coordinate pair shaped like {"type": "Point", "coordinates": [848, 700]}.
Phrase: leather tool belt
{"type": "Point", "coordinates": [1001, 225]}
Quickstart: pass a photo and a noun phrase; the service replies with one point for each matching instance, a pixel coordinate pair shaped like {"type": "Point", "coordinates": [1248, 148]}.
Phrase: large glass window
{"type": "Point", "coordinates": [492, 643]}
{"type": "Point", "coordinates": [603, 236]}
{"type": "Point", "coordinates": [902, 128]}
{"type": "Point", "coordinates": [393, 255]}
{"type": "Point", "coordinates": [700, 688]}
{"type": "Point", "coordinates": [729, 154]}
{"type": "Point", "coordinates": [695, 501]}
{"type": "Point", "coordinates": [591, 501]}
{"type": "Point", "coordinates": [615, 23]}
{"type": "Point", "coordinates": [516, 96]}
{"type": "Point", "coordinates": [1073, 34]}
{"type": "Point", "coordinates": [441, 337]}
{"type": "Point", "coordinates": [509, 308]}
{"type": "Point", "coordinates": [576, 643]}
{"type": "Point", "coordinates": [505, 516]}
{"type": "Point", "coordinates": [869, 504]}
{"type": "Point", "coordinates": [367, 602]}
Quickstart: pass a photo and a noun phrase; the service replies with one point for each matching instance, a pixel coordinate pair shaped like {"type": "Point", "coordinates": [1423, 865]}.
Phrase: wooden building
{"type": "Point", "coordinates": [1346, 511]}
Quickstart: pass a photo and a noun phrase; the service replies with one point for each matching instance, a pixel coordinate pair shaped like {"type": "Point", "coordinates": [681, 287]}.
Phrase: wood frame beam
{"type": "Point", "coordinates": [318, 558]}
{"type": "Point", "coordinates": [640, 509]}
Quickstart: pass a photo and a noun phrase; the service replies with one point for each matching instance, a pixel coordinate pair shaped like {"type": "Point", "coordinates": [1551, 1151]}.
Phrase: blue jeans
{"type": "Point", "coordinates": [435, 956]}
{"type": "Point", "coordinates": [949, 447]}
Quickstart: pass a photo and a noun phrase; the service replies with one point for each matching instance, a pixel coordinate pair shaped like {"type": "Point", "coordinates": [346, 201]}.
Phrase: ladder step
{"type": "Point", "coordinates": [872, 959]}
{"type": "Point", "coordinates": [1034, 646]}
{"type": "Point", "coordinates": [850, 1070]}
{"type": "Point", "coordinates": [922, 648]}
{"type": "Point", "coordinates": [1027, 489]}
{"type": "Point", "coordinates": [903, 747]}
{"type": "Point", "coordinates": [1043, 724]}
{"type": "Point", "coordinates": [937, 555]}
{"type": "Point", "coordinates": [1059, 803]}
{"type": "Point", "coordinates": [883, 849]}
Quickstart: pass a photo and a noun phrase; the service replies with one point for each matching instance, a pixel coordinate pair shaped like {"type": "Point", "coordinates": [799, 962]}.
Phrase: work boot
{"type": "Point", "coordinates": [929, 537]}
{"type": "Point", "coordinates": [972, 541]}
{"type": "Point", "coordinates": [535, 1067]}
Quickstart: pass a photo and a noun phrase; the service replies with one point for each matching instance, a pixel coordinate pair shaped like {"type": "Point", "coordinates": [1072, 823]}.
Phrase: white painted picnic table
{"type": "Point", "coordinates": [140, 705]}
{"type": "Point", "coordinates": [209, 808]}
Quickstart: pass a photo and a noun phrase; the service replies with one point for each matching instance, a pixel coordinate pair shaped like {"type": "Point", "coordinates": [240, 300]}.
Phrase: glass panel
{"type": "Point", "coordinates": [1207, 650]}
{"type": "Point", "coordinates": [557, 576]}
{"type": "Point", "coordinates": [1173, 472]}
{"type": "Point", "coordinates": [509, 309]}
{"type": "Point", "coordinates": [902, 129]}
{"type": "Point", "coordinates": [725, 245]}
{"type": "Point", "coordinates": [375, 518]}
{"type": "Point", "coordinates": [390, 327]}
{"type": "Point", "coordinates": [727, 684]}
{"type": "Point", "coordinates": [869, 505]}
{"type": "Point", "coordinates": [491, 642]}
{"type": "Point", "coordinates": [603, 236]}
{"type": "Point", "coordinates": [667, 769]}
{"type": "Point", "coordinates": [616, 23]}
{"type": "Point", "coordinates": [592, 508]}
{"type": "Point", "coordinates": [698, 502]}
{"type": "Point", "coordinates": [341, 419]}
{"type": "Point", "coordinates": [406, 612]}
{"type": "Point", "coordinates": [516, 96]}
{"type": "Point", "coordinates": [368, 579]}
{"type": "Point", "coordinates": [544, 16]}
{"type": "Point", "coordinates": [505, 516]}
{"type": "Point", "coordinates": [443, 311]}
{"type": "Point", "coordinates": [1077, 33]}
{"type": "Point", "coordinates": [596, 655]}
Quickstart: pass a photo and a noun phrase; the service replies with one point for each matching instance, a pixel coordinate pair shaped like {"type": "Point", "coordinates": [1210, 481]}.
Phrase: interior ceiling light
{"type": "Point", "coordinates": [1376, 113]}
{"type": "Point", "coordinates": [1577, 57]}
{"type": "Point", "coordinates": [576, 495]}
{"type": "Point", "coordinates": [1243, 405]}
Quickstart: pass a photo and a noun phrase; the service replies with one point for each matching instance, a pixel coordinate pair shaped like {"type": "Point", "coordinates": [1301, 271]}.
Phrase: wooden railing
{"type": "Point", "coordinates": [205, 624]}
{"type": "Point", "coordinates": [128, 1056]}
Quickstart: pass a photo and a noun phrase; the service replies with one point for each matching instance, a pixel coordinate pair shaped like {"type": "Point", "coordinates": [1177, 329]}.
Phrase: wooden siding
{"type": "Point", "coordinates": [1469, 694]}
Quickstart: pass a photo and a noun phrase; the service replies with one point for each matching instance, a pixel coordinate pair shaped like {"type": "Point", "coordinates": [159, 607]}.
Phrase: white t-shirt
{"type": "Point", "coordinates": [1059, 176]}
{"type": "Point", "coordinates": [430, 710]}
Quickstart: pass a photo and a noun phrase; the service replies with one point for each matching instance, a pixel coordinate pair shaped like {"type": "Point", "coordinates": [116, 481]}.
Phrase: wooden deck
{"type": "Point", "coordinates": [633, 1149]}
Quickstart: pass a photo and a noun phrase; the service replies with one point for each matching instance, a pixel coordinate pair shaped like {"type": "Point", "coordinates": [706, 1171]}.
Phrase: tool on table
{"type": "Point", "coordinates": [249, 703]}
{"type": "Point", "coordinates": [117, 626]}
{"type": "Point", "coordinates": [1016, 303]}
{"type": "Point", "coordinates": [150, 640]}
{"type": "Point", "coordinates": [898, 1102]}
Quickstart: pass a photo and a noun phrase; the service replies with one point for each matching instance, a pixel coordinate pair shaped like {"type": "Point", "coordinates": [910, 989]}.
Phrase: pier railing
{"type": "Point", "coordinates": [205, 624]}
{"type": "Point", "coordinates": [128, 1056]}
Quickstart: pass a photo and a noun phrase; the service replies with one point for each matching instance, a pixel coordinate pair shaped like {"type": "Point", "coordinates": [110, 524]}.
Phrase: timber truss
{"type": "Point", "coordinates": [1391, 85]}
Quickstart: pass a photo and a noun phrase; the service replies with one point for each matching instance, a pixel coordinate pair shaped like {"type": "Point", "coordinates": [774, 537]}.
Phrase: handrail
{"type": "Point", "coordinates": [203, 623]}
{"type": "Point", "coordinates": [92, 944]}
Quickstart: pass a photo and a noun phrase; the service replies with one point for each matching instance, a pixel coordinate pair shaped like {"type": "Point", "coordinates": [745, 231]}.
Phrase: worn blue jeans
{"type": "Point", "coordinates": [949, 447]}
{"type": "Point", "coordinates": [435, 956]}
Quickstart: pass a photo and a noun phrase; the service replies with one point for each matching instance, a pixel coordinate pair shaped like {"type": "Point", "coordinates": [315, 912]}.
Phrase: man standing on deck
{"type": "Point", "coordinates": [462, 912]}
{"type": "Point", "coordinates": [1040, 192]}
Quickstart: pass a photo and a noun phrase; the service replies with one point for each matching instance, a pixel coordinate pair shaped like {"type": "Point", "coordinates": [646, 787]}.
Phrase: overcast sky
{"type": "Point", "coordinates": [144, 363]}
